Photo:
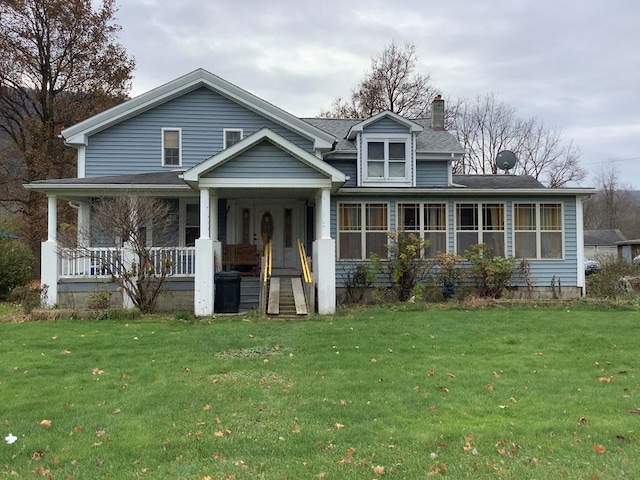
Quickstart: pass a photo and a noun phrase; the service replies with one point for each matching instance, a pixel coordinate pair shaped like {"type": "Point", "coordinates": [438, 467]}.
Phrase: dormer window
{"type": "Point", "coordinates": [386, 160]}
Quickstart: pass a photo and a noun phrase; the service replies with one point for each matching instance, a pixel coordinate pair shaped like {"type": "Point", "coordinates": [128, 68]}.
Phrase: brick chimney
{"type": "Point", "coordinates": [437, 113]}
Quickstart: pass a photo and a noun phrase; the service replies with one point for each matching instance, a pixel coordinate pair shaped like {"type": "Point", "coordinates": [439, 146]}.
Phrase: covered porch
{"type": "Point", "coordinates": [221, 203]}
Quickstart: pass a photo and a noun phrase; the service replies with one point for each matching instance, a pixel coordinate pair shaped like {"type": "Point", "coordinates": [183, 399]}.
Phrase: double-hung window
{"type": "Point", "coordinates": [231, 136]}
{"type": "Point", "coordinates": [427, 221]}
{"type": "Point", "coordinates": [171, 147]}
{"type": "Point", "coordinates": [480, 223]}
{"type": "Point", "coordinates": [386, 160]}
{"type": "Point", "coordinates": [362, 230]}
{"type": "Point", "coordinates": [538, 230]}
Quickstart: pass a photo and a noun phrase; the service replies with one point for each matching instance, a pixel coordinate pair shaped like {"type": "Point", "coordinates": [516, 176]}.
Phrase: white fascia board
{"type": "Point", "coordinates": [77, 134]}
{"type": "Point", "coordinates": [99, 189]}
{"type": "Point", "coordinates": [439, 156]}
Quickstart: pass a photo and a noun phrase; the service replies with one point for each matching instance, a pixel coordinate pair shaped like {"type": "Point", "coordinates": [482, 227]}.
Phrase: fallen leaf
{"type": "Point", "coordinates": [116, 411]}
{"type": "Point", "coordinates": [378, 470]}
{"type": "Point", "coordinates": [599, 449]}
{"type": "Point", "coordinates": [296, 429]}
{"type": "Point", "coordinates": [431, 373]}
{"type": "Point", "coordinates": [45, 423]}
{"type": "Point", "coordinates": [605, 379]}
{"type": "Point", "coordinates": [489, 387]}
{"type": "Point", "coordinates": [338, 425]}
{"type": "Point", "coordinates": [496, 374]}
{"type": "Point", "coordinates": [65, 352]}
{"type": "Point", "coordinates": [97, 371]}
{"type": "Point", "coordinates": [451, 375]}
{"type": "Point", "coordinates": [444, 389]}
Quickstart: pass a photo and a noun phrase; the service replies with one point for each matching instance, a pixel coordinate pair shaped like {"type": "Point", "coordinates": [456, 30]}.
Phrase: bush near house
{"type": "Point", "coordinates": [16, 265]}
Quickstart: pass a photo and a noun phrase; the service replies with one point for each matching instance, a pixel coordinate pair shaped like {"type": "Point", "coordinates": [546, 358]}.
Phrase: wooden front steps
{"type": "Point", "coordinates": [286, 297]}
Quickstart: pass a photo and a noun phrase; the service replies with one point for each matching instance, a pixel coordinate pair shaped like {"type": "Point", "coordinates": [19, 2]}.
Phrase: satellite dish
{"type": "Point", "coordinates": [506, 160]}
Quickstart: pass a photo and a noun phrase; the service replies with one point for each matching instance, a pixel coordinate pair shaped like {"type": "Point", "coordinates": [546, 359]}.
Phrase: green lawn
{"type": "Point", "coordinates": [372, 393]}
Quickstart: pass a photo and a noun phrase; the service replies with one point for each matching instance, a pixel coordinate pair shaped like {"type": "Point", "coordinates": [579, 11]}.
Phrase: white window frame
{"type": "Point", "coordinates": [539, 231]}
{"type": "Point", "coordinates": [230, 130]}
{"type": "Point", "coordinates": [481, 230]}
{"type": "Point", "coordinates": [421, 229]}
{"type": "Point", "coordinates": [164, 160]}
{"type": "Point", "coordinates": [363, 228]}
{"type": "Point", "coordinates": [387, 180]}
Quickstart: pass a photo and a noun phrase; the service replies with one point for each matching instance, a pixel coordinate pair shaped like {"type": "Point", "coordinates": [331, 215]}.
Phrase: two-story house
{"type": "Point", "coordinates": [241, 171]}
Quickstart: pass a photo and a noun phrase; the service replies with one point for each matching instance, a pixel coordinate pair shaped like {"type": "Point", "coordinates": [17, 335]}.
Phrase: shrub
{"type": "Point", "coordinates": [29, 297]}
{"type": "Point", "coordinates": [607, 282]}
{"type": "Point", "coordinates": [491, 274]}
{"type": "Point", "coordinates": [99, 299]}
{"type": "Point", "coordinates": [357, 279]}
{"type": "Point", "coordinates": [16, 266]}
{"type": "Point", "coordinates": [405, 267]}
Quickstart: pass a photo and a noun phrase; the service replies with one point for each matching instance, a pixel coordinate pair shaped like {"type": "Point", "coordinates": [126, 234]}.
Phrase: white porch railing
{"type": "Point", "coordinates": [92, 262]}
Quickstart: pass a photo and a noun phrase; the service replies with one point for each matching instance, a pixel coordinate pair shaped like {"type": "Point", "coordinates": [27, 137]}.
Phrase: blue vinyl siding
{"type": "Point", "coordinates": [264, 160]}
{"type": "Point", "coordinates": [349, 168]}
{"type": "Point", "coordinates": [432, 174]}
{"type": "Point", "coordinates": [386, 125]}
{"type": "Point", "coordinates": [134, 145]}
{"type": "Point", "coordinates": [542, 271]}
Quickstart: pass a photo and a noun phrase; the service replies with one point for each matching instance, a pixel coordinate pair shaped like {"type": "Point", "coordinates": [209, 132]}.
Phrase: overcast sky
{"type": "Point", "coordinates": [573, 64]}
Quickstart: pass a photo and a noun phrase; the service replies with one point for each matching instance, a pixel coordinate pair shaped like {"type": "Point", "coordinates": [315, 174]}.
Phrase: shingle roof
{"type": "Point", "coordinates": [155, 178]}
{"type": "Point", "coordinates": [603, 237]}
{"type": "Point", "coordinates": [497, 181]}
{"type": "Point", "coordinates": [428, 140]}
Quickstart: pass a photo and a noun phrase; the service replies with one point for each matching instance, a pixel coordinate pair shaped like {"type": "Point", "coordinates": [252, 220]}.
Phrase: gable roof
{"type": "Point", "coordinates": [333, 174]}
{"type": "Point", "coordinates": [360, 126]}
{"type": "Point", "coordinates": [78, 134]}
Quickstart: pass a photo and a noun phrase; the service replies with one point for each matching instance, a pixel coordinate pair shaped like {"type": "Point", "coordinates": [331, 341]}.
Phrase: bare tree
{"type": "Point", "coordinates": [485, 126]}
{"type": "Point", "coordinates": [392, 83]}
{"type": "Point", "coordinates": [615, 206]}
{"type": "Point", "coordinates": [129, 225]}
{"type": "Point", "coordinates": [59, 64]}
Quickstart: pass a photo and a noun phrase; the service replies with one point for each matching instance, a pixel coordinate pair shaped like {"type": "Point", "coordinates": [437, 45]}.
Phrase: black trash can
{"type": "Point", "coordinates": [227, 298]}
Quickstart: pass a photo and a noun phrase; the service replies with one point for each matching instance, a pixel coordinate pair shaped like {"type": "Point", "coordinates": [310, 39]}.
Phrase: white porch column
{"type": "Point", "coordinates": [324, 255]}
{"type": "Point", "coordinates": [208, 254]}
{"type": "Point", "coordinates": [84, 220]}
{"type": "Point", "coordinates": [50, 261]}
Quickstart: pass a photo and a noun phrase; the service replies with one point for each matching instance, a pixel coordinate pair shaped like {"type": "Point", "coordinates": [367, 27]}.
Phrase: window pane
{"type": "Point", "coordinates": [524, 216]}
{"type": "Point", "coordinates": [464, 240]}
{"type": "Point", "coordinates": [375, 150]}
{"type": "Point", "coordinates": [409, 219]}
{"type": "Point", "coordinates": [550, 218]}
{"type": "Point", "coordinates": [397, 151]}
{"type": "Point", "coordinates": [525, 245]}
{"type": "Point", "coordinates": [377, 216]}
{"type": "Point", "coordinates": [495, 241]}
{"type": "Point", "coordinates": [493, 216]}
{"type": "Point", "coordinates": [467, 217]}
{"type": "Point", "coordinates": [350, 217]}
{"type": "Point", "coordinates": [551, 244]}
{"type": "Point", "coordinates": [437, 243]}
{"type": "Point", "coordinates": [350, 246]}
{"type": "Point", "coordinates": [171, 138]}
{"type": "Point", "coordinates": [397, 169]}
{"type": "Point", "coordinates": [377, 243]}
{"type": "Point", "coordinates": [435, 216]}
{"type": "Point", "coordinates": [375, 169]}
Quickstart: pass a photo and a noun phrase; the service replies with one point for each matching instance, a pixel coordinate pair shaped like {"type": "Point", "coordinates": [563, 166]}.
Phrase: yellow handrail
{"type": "Point", "coordinates": [268, 264]}
{"type": "Point", "coordinates": [306, 271]}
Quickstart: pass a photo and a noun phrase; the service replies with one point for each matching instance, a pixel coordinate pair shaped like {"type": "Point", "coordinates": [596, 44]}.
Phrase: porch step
{"type": "Point", "coordinates": [286, 297]}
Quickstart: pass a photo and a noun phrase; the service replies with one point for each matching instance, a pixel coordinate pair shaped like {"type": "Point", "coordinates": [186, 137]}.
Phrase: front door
{"type": "Point", "coordinates": [282, 225]}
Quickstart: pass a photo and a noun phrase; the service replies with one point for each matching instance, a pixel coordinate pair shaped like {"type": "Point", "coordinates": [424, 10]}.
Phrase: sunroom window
{"type": "Point", "coordinates": [538, 230]}
{"type": "Point", "coordinates": [362, 230]}
{"type": "Point", "coordinates": [427, 221]}
{"type": "Point", "coordinates": [480, 223]}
